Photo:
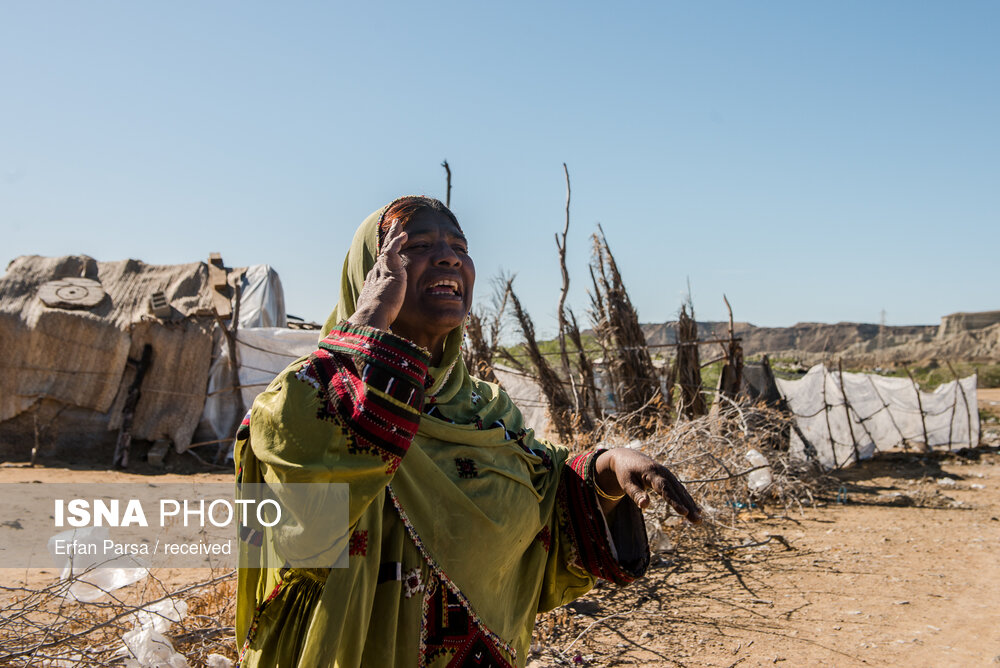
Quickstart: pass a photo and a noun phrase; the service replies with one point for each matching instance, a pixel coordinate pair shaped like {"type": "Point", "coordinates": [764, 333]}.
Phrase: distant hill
{"type": "Point", "coordinates": [967, 337]}
{"type": "Point", "coordinates": [805, 337]}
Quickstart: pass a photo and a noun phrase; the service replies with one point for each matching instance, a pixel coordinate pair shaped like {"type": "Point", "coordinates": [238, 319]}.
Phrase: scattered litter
{"type": "Point", "coordinates": [91, 580]}
{"type": "Point", "coordinates": [760, 479]}
{"type": "Point", "coordinates": [150, 649]}
{"type": "Point", "coordinates": [946, 482]}
{"type": "Point", "coordinates": [145, 645]}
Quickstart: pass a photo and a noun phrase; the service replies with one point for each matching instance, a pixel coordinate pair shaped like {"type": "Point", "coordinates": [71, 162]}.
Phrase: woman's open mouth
{"type": "Point", "coordinates": [445, 289]}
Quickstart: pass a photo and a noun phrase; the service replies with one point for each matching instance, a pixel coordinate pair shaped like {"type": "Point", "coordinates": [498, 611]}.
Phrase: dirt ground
{"type": "Point", "coordinates": [896, 567]}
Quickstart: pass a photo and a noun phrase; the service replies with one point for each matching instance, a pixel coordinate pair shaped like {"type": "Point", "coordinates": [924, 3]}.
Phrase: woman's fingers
{"type": "Point", "coordinates": [393, 243]}
{"type": "Point", "coordinates": [384, 288]}
{"type": "Point", "coordinates": [671, 489]}
{"type": "Point", "coordinates": [638, 473]}
{"type": "Point", "coordinates": [635, 487]}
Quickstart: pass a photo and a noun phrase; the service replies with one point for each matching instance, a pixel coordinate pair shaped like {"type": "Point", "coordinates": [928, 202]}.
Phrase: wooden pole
{"type": "Point", "coordinates": [847, 411]}
{"type": "Point", "coordinates": [965, 399]}
{"type": "Point", "coordinates": [561, 309]}
{"type": "Point", "coordinates": [920, 406]}
{"type": "Point", "coordinates": [447, 195]}
{"type": "Point", "coordinates": [892, 418]}
{"type": "Point", "coordinates": [829, 431]}
{"type": "Point", "coordinates": [124, 442]}
{"type": "Point", "coordinates": [731, 378]}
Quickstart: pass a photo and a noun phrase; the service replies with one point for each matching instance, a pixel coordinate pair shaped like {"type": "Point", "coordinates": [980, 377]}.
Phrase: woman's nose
{"type": "Point", "coordinates": [446, 256]}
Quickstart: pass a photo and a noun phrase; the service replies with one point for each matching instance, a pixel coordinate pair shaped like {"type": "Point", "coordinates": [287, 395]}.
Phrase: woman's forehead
{"type": "Point", "coordinates": [429, 221]}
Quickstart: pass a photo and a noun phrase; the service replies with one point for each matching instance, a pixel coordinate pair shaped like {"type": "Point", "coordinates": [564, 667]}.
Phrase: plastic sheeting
{"type": "Point", "coordinates": [261, 307]}
{"type": "Point", "coordinates": [527, 395]}
{"type": "Point", "coordinates": [838, 423]}
{"type": "Point", "coordinates": [263, 352]}
{"type": "Point", "coordinates": [262, 299]}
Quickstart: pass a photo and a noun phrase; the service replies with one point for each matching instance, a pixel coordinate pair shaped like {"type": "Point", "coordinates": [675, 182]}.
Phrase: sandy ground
{"type": "Point", "coordinates": [897, 567]}
{"type": "Point", "coordinates": [989, 399]}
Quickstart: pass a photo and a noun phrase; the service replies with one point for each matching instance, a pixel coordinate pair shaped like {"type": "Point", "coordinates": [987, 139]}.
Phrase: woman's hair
{"type": "Point", "coordinates": [406, 209]}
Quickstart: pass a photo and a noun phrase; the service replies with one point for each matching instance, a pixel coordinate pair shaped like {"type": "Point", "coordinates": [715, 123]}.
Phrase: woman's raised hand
{"type": "Point", "coordinates": [623, 470]}
{"type": "Point", "coordinates": [385, 285]}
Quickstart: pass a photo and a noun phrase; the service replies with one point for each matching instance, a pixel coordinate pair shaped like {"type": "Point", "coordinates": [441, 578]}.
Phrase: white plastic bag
{"type": "Point", "coordinates": [148, 648]}
{"type": "Point", "coordinates": [761, 478]}
{"type": "Point", "coordinates": [92, 581]}
{"type": "Point", "coordinates": [145, 645]}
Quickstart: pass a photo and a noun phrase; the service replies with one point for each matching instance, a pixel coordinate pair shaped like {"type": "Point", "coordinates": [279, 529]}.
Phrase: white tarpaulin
{"type": "Point", "coordinates": [527, 395]}
{"type": "Point", "coordinates": [837, 423]}
{"type": "Point", "coordinates": [262, 299]}
{"type": "Point", "coordinates": [263, 352]}
{"type": "Point", "coordinates": [263, 347]}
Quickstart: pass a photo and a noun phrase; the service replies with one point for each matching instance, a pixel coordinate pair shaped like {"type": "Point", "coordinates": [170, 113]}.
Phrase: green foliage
{"type": "Point", "coordinates": [710, 376]}
{"type": "Point", "coordinates": [932, 375]}
{"type": "Point", "coordinates": [989, 375]}
{"type": "Point", "coordinates": [550, 349]}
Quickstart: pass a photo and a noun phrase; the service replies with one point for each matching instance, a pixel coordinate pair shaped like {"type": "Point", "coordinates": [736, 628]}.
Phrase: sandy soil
{"type": "Point", "coordinates": [898, 567]}
{"type": "Point", "coordinates": [989, 399]}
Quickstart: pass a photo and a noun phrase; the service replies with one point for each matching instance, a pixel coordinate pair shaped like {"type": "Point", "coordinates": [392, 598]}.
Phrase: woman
{"type": "Point", "coordinates": [463, 526]}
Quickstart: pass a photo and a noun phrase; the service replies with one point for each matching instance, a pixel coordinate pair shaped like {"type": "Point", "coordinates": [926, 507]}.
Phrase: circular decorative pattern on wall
{"type": "Point", "coordinates": [71, 293]}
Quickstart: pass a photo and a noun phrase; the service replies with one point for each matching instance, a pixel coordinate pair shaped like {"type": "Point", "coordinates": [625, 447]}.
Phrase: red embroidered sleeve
{"type": "Point", "coordinates": [584, 524]}
{"type": "Point", "coordinates": [371, 382]}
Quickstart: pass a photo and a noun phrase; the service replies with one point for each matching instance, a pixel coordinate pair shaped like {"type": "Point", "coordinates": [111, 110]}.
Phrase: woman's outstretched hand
{"type": "Point", "coordinates": [385, 285]}
{"type": "Point", "coordinates": [627, 471]}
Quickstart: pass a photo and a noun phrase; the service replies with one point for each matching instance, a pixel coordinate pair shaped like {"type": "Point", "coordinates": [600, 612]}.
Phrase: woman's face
{"type": "Point", "coordinates": [440, 276]}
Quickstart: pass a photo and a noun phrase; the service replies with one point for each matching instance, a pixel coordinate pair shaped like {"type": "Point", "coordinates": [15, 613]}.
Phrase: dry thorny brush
{"type": "Point", "coordinates": [47, 626]}
{"type": "Point", "coordinates": [693, 568]}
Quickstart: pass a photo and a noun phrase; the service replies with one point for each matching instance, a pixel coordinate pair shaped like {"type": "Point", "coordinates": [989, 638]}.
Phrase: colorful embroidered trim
{"type": "Point", "coordinates": [359, 543]}
{"type": "Point", "coordinates": [252, 632]}
{"type": "Point", "coordinates": [446, 581]}
{"type": "Point", "coordinates": [380, 405]}
{"type": "Point", "coordinates": [545, 537]}
{"type": "Point", "coordinates": [584, 520]}
{"type": "Point", "coordinates": [243, 431]}
{"type": "Point", "coordinates": [393, 353]}
{"type": "Point", "coordinates": [448, 631]}
{"type": "Point", "coordinates": [466, 467]}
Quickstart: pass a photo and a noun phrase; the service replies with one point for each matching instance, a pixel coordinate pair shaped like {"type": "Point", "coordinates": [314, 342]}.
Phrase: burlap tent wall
{"type": "Point", "coordinates": [64, 373]}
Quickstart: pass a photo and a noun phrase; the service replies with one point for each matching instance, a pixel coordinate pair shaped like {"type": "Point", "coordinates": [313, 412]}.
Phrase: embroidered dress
{"type": "Point", "coordinates": [463, 525]}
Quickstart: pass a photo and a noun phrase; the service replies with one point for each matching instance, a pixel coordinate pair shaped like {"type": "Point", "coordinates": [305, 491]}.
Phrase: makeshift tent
{"type": "Point", "coordinates": [73, 333]}
{"type": "Point", "coordinates": [843, 417]}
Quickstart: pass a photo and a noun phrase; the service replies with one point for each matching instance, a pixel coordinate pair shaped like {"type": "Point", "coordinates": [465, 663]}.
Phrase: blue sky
{"type": "Point", "coordinates": [814, 162]}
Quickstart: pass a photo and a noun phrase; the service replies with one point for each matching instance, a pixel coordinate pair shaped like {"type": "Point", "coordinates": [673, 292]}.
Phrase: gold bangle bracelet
{"type": "Point", "coordinates": [604, 495]}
